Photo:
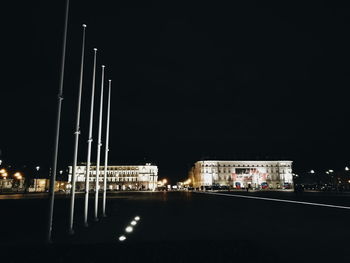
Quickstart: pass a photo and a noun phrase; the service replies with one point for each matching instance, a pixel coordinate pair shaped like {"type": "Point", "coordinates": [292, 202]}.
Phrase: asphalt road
{"type": "Point", "coordinates": [183, 227]}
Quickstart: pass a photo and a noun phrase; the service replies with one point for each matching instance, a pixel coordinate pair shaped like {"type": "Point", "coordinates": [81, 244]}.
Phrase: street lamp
{"type": "Point", "coordinates": [347, 168]}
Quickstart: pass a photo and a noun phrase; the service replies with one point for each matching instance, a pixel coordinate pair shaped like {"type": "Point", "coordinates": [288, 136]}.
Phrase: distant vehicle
{"type": "Point", "coordinates": [264, 185]}
{"type": "Point", "coordinates": [224, 187]}
{"type": "Point", "coordinates": [190, 188]}
{"type": "Point", "coordinates": [287, 186]}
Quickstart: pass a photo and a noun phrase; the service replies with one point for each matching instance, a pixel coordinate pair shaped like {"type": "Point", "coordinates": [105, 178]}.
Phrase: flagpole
{"type": "Point", "coordinates": [58, 122]}
{"type": "Point", "coordinates": [87, 176]}
{"type": "Point", "coordinates": [106, 150]}
{"type": "Point", "coordinates": [99, 144]}
{"type": "Point", "coordinates": [76, 133]}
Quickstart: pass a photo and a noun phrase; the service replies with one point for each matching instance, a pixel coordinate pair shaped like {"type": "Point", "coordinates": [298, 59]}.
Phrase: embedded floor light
{"type": "Point", "coordinates": [128, 229]}
{"type": "Point", "coordinates": [122, 238]}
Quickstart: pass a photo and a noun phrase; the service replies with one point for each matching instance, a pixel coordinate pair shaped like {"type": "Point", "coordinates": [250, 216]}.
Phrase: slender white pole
{"type": "Point", "coordinates": [106, 149]}
{"type": "Point", "coordinates": [87, 176]}
{"type": "Point", "coordinates": [99, 144]}
{"type": "Point", "coordinates": [76, 133]}
{"type": "Point", "coordinates": [57, 137]}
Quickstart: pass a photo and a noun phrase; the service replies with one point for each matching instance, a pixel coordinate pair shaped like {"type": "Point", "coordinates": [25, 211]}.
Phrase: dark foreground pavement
{"type": "Point", "coordinates": [182, 227]}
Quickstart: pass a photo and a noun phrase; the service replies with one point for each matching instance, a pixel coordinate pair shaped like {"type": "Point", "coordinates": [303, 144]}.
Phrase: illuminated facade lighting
{"type": "Point", "coordinates": [238, 174]}
{"type": "Point", "coordinates": [120, 177]}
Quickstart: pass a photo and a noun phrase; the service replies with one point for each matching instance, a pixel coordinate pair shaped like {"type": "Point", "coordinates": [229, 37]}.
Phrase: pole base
{"type": "Point", "coordinates": [95, 219]}
{"type": "Point", "coordinates": [86, 224]}
{"type": "Point", "coordinates": [104, 215]}
{"type": "Point", "coordinates": [71, 232]}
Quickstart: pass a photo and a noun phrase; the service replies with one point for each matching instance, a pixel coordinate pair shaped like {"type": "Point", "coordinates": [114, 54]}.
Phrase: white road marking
{"type": "Point", "coordinates": [278, 200]}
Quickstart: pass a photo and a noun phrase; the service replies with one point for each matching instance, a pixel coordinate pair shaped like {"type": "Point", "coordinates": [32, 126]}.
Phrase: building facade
{"type": "Point", "coordinates": [119, 177]}
{"type": "Point", "coordinates": [242, 174]}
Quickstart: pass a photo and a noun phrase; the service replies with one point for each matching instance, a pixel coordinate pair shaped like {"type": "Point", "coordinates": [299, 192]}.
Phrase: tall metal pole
{"type": "Point", "coordinates": [87, 176]}
{"type": "Point", "coordinates": [99, 144]}
{"type": "Point", "coordinates": [77, 132]}
{"type": "Point", "coordinates": [106, 150]}
{"type": "Point", "coordinates": [58, 121]}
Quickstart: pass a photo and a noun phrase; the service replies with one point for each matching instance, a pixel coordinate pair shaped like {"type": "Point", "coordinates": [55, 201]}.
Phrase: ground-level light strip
{"type": "Point", "coordinates": [279, 200]}
{"type": "Point", "coordinates": [130, 228]}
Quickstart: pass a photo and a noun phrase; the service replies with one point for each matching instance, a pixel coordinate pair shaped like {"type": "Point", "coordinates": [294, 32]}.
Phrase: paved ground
{"type": "Point", "coordinates": [184, 227]}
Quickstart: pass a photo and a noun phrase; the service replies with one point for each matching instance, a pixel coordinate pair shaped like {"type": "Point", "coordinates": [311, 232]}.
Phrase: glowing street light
{"type": "Point", "coordinates": [133, 223]}
{"type": "Point", "coordinates": [164, 181]}
{"type": "Point", "coordinates": [312, 172]}
{"type": "Point", "coordinates": [347, 168]}
{"type": "Point", "coordinates": [2, 171]}
{"type": "Point", "coordinates": [137, 218]}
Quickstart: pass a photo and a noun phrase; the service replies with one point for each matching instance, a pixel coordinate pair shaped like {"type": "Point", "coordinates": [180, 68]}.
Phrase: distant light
{"type": "Point", "coordinates": [312, 171]}
{"type": "Point", "coordinates": [37, 168]}
{"type": "Point", "coordinates": [133, 222]}
{"type": "Point", "coordinates": [0, 162]}
{"type": "Point", "coordinates": [2, 171]}
{"type": "Point", "coordinates": [61, 172]}
{"type": "Point", "coordinates": [327, 172]}
{"type": "Point", "coordinates": [346, 168]}
{"type": "Point", "coordinates": [331, 171]}
{"type": "Point", "coordinates": [137, 218]}
{"type": "Point", "coordinates": [129, 229]}
{"type": "Point", "coordinates": [122, 238]}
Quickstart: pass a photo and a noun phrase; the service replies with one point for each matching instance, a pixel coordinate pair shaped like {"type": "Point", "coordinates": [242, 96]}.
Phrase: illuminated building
{"type": "Point", "coordinates": [119, 177]}
{"type": "Point", "coordinates": [241, 174]}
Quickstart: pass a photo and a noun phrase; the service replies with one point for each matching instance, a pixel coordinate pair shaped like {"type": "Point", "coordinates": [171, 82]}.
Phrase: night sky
{"type": "Point", "coordinates": [191, 81]}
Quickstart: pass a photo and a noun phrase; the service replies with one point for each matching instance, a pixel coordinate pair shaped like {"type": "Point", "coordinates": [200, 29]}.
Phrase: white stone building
{"type": "Point", "coordinates": [119, 177]}
{"type": "Point", "coordinates": [241, 174]}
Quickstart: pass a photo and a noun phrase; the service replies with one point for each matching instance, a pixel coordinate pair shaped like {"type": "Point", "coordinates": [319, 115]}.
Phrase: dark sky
{"type": "Point", "coordinates": [191, 80]}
